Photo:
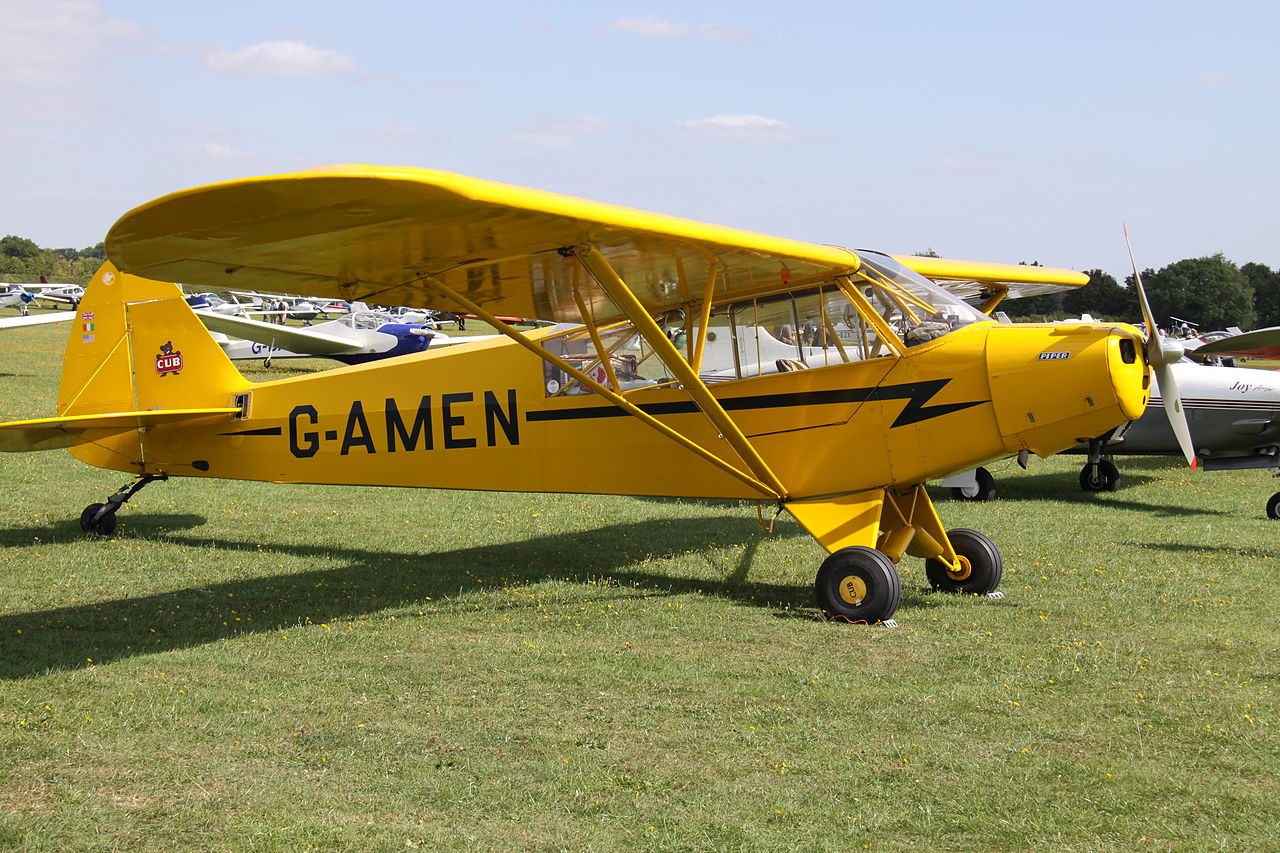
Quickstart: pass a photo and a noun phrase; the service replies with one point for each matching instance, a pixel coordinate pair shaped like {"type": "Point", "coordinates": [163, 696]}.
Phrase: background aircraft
{"type": "Point", "coordinates": [15, 296]}
{"type": "Point", "coordinates": [358, 336]}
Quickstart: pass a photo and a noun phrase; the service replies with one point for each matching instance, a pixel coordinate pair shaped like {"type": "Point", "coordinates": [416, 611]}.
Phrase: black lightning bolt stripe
{"type": "Point", "coordinates": [917, 394]}
{"type": "Point", "coordinates": [263, 431]}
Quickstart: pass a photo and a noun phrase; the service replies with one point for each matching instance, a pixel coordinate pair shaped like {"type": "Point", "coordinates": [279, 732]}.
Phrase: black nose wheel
{"type": "Point", "coordinates": [858, 584]}
{"type": "Point", "coordinates": [1101, 476]}
{"type": "Point", "coordinates": [1273, 506]}
{"type": "Point", "coordinates": [101, 518]}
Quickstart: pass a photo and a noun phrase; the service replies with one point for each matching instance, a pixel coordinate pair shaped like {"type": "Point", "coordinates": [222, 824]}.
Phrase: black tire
{"type": "Point", "coordinates": [1101, 477]}
{"type": "Point", "coordinates": [87, 524]}
{"type": "Point", "coordinates": [986, 488]}
{"type": "Point", "coordinates": [982, 561]}
{"type": "Point", "coordinates": [104, 526]}
{"type": "Point", "coordinates": [1273, 506]}
{"type": "Point", "coordinates": [107, 524]}
{"type": "Point", "coordinates": [858, 584]}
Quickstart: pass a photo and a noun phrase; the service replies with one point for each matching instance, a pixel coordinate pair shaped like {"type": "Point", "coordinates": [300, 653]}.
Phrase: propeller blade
{"type": "Point", "coordinates": [1161, 355]}
{"type": "Point", "coordinates": [1155, 355]}
{"type": "Point", "coordinates": [1172, 398]}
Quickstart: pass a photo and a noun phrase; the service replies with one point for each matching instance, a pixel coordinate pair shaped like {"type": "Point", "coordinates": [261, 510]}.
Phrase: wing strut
{"type": "Point", "coordinates": [704, 318]}
{"type": "Point", "coordinates": [629, 305]}
{"type": "Point", "coordinates": [607, 393]}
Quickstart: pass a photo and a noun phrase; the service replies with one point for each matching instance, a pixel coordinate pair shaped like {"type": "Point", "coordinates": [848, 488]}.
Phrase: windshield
{"type": "Point", "coordinates": [916, 308]}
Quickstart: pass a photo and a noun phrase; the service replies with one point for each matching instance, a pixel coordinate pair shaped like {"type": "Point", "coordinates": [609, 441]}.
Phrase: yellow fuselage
{"type": "Point", "coordinates": [478, 416]}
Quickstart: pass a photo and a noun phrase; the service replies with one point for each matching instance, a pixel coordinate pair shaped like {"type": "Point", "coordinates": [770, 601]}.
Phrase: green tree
{"type": "Point", "coordinates": [1266, 292]}
{"type": "Point", "coordinates": [18, 247]}
{"type": "Point", "coordinates": [1211, 292]}
{"type": "Point", "coordinates": [1103, 297]}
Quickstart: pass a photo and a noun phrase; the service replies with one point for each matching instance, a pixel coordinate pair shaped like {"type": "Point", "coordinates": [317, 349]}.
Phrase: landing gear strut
{"type": "Point", "coordinates": [1099, 474]}
{"type": "Point", "coordinates": [101, 518]}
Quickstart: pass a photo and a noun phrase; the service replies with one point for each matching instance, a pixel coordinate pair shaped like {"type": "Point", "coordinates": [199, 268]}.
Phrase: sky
{"type": "Point", "coordinates": [993, 131]}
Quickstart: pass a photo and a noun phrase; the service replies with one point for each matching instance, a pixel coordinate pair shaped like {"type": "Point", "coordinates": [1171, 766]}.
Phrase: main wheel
{"type": "Point", "coordinates": [858, 584]}
{"type": "Point", "coordinates": [1102, 476]}
{"type": "Point", "coordinates": [104, 526]}
{"type": "Point", "coordinates": [1273, 506]}
{"type": "Point", "coordinates": [981, 566]}
{"type": "Point", "coordinates": [986, 488]}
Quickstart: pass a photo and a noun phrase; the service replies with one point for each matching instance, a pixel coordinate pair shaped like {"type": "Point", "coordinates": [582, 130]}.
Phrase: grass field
{"type": "Point", "coordinates": [249, 667]}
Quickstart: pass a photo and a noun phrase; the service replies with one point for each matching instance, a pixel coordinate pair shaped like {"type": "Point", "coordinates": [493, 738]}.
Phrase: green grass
{"type": "Point", "coordinates": [258, 667]}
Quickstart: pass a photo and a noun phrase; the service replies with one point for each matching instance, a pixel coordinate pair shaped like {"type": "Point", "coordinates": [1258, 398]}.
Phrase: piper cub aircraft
{"type": "Point", "coordinates": [887, 381]}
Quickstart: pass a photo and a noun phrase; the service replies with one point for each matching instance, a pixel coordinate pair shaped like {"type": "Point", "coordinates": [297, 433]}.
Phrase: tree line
{"type": "Point", "coordinates": [21, 260]}
{"type": "Point", "coordinates": [1212, 292]}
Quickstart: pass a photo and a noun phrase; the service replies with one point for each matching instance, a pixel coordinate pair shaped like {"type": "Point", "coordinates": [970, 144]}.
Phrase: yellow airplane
{"type": "Point", "coordinates": [662, 378]}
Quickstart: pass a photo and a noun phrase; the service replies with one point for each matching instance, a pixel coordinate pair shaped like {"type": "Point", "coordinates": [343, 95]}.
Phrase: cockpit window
{"type": "Point", "coordinates": [916, 308]}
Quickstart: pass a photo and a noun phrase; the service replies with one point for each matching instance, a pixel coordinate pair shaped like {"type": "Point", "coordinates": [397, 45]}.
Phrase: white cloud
{"type": "Point", "coordinates": [218, 151]}
{"type": "Point", "coordinates": [53, 55]}
{"type": "Point", "coordinates": [1215, 79]}
{"type": "Point", "coordinates": [210, 151]}
{"type": "Point", "coordinates": [652, 26]}
{"type": "Point", "coordinates": [541, 141]}
{"type": "Point", "coordinates": [548, 131]}
{"type": "Point", "coordinates": [737, 122]}
{"type": "Point", "coordinates": [279, 59]}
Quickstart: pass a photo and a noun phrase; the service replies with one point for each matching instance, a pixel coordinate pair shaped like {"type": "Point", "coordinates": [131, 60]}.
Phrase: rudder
{"type": "Point", "coordinates": [137, 345]}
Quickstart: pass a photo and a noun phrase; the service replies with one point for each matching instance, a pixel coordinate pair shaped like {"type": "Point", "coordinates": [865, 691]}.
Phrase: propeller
{"type": "Point", "coordinates": [1161, 355]}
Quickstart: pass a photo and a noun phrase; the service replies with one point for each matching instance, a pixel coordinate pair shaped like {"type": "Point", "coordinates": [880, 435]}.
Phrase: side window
{"type": "Point", "coordinates": [791, 331]}
{"type": "Point", "coordinates": [631, 361]}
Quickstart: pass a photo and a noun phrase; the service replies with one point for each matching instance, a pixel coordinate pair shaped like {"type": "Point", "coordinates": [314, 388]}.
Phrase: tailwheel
{"type": "Point", "coordinates": [981, 566]}
{"type": "Point", "coordinates": [858, 584]}
{"type": "Point", "coordinates": [99, 519]}
{"type": "Point", "coordinates": [1273, 506]}
{"type": "Point", "coordinates": [1100, 476]}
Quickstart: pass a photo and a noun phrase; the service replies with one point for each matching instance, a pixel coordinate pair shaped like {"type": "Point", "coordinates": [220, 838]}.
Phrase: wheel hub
{"type": "Point", "coordinates": [853, 589]}
{"type": "Point", "coordinates": [962, 570]}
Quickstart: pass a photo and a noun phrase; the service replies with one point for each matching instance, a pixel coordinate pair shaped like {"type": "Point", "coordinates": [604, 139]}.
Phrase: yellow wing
{"type": "Point", "coordinates": [979, 282]}
{"type": "Point", "coordinates": [373, 233]}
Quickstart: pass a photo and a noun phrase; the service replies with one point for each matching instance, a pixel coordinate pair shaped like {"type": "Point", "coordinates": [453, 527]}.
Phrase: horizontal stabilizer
{"type": "Point", "coordinates": [36, 319]}
{"type": "Point", "coordinates": [54, 433]}
{"type": "Point", "coordinates": [278, 336]}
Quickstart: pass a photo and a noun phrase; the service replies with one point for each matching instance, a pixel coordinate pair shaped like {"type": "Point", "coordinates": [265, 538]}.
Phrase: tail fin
{"type": "Point", "coordinates": [137, 346]}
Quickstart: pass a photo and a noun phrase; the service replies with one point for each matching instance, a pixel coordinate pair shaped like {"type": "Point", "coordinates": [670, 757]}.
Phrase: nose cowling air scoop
{"type": "Point", "coordinates": [1053, 386]}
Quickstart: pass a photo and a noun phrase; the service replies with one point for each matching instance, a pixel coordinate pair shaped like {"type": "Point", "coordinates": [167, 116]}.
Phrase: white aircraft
{"type": "Point", "coordinates": [16, 296]}
{"type": "Point", "coordinates": [359, 336]}
{"type": "Point", "coordinates": [66, 294]}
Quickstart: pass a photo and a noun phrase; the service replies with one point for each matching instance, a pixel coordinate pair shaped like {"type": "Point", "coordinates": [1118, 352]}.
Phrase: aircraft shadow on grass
{"type": "Point", "coordinates": [1214, 549]}
{"type": "Point", "coordinates": [141, 526]}
{"type": "Point", "coordinates": [368, 581]}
